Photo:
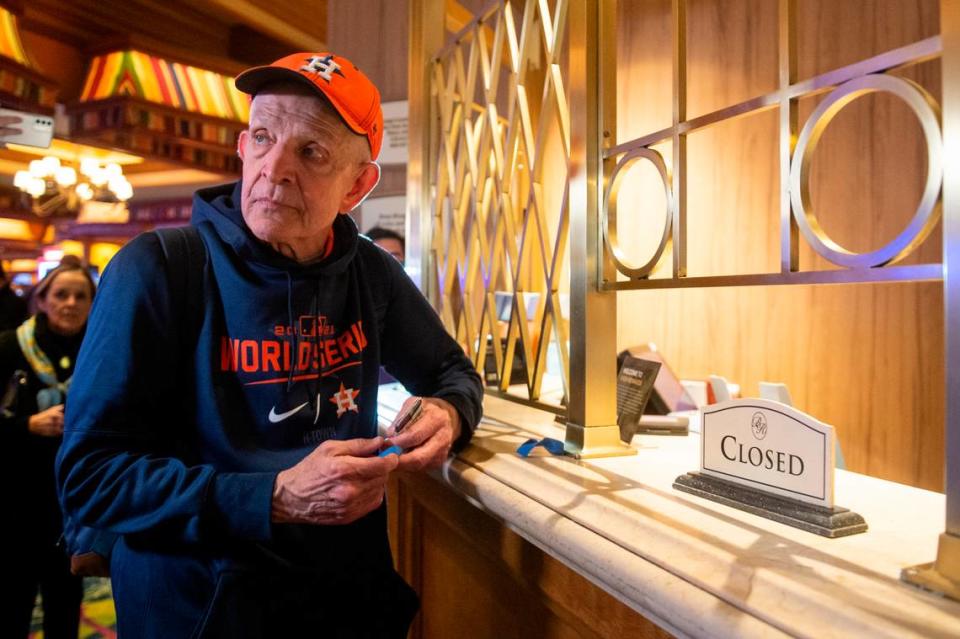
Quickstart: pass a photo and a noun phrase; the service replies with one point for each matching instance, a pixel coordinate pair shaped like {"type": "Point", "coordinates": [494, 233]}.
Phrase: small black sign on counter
{"type": "Point", "coordinates": [634, 385]}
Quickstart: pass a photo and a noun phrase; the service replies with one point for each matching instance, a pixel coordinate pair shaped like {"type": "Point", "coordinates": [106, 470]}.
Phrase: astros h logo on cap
{"type": "Point", "coordinates": [350, 92]}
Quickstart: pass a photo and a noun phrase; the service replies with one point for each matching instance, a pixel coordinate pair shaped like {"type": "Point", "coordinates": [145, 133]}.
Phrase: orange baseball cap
{"type": "Point", "coordinates": [350, 92]}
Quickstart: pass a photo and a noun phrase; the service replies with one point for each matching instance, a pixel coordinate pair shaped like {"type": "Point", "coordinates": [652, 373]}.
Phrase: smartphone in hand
{"type": "Point", "coordinates": [405, 418]}
{"type": "Point", "coordinates": [408, 416]}
{"type": "Point", "coordinates": [36, 129]}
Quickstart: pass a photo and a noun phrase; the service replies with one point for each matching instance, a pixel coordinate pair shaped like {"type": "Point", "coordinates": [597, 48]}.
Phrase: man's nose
{"type": "Point", "coordinates": [278, 164]}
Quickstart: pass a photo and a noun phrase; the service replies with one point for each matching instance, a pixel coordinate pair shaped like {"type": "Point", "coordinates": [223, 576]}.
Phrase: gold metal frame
{"type": "Point", "coordinates": [466, 202]}
{"type": "Point", "coordinates": [943, 575]}
{"type": "Point", "coordinates": [928, 211]}
{"type": "Point", "coordinates": [845, 84]}
{"type": "Point", "coordinates": [609, 220]}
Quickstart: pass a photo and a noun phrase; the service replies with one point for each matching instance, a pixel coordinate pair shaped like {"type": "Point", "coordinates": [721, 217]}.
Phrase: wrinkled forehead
{"type": "Point", "coordinates": [293, 100]}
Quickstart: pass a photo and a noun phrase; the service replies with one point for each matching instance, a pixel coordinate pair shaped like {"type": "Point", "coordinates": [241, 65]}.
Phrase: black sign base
{"type": "Point", "coordinates": [828, 522]}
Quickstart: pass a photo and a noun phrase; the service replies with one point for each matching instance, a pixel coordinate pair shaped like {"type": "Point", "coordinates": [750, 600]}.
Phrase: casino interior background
{"type": "Point", "coordinates": [147, 85]}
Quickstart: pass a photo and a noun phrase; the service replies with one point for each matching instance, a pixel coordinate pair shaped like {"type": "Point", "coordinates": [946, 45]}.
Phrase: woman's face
{"type": "Point", "coordinates": [67, 302]}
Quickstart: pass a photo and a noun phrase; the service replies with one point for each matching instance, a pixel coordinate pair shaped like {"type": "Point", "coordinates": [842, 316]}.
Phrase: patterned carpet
{"type": "Point", "coordinates": [98, 620]}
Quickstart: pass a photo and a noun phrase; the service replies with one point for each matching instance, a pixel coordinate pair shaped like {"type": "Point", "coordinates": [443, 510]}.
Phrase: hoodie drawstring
{"type": "Point", "coordinates": [293, 351]}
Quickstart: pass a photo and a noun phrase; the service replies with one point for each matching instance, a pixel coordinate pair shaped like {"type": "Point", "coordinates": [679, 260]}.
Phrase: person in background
{"type": "Point", "coordinates": [36, 364]}
{"type": "Point", "coordinates": [13, 308]}
{"type": "Point", "coordinates": [231, 436]}
{"type": "Point", "coordinates": [390, 241]}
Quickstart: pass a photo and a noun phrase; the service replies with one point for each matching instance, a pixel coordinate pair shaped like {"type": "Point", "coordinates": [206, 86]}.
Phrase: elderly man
{"type": "Point", "coordinates": [231, 440]}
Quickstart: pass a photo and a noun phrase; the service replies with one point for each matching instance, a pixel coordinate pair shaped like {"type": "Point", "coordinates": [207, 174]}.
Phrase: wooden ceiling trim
{"type": "Point", "coordinates": [267, 22]}
{"type": "Point", "coordinates": [97, 18]}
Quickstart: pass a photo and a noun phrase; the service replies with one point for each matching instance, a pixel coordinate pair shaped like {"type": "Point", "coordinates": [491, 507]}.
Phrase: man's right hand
{"type": "Point", "coordinates": [338, 483]}
{"type": "Point", "coordinates": [48, 423]}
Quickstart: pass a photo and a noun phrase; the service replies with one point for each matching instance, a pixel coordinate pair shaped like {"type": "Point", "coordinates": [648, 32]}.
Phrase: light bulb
{"type": "Point", "coordinates": [113, 170]}
{"type": "Point", "coordinates": [98, 177]}
{"type": "Point", "coordinates": [88, 165]}
{"type": "Point", "coordinates": [123, 191]}
{"type": "Point", "coordinates": [50, 164]}
{"type": "Point", "coordinates": [21, 179]}
{"type": "Point", "coordinates": [38, 169]}
{"type": "Point", "coordinates": [84, 192]}
{"type": "Point", "coordinates": [37, 187]}
{"type": "Point", "coordinates": [65, 176]}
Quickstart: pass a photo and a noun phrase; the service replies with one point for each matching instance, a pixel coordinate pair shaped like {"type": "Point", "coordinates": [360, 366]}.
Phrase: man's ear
{"type": "Point", "coordinates": [242, 142]}
{"type": "Point", "coordinates": [367, 178]}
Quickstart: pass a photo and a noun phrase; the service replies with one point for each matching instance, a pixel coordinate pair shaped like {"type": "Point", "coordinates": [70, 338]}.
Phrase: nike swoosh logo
{"type": "Point", "coordinates": [275, 418]}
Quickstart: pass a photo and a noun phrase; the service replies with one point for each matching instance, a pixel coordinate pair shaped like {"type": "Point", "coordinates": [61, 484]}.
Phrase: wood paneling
{"type": "Point", "coordinates": [477, 578]}
{"type": "Point", "coordinates": [866, 358]}
{"type": "Point", "coordinates": [373, 34]}
{"type": "Point", "coordinates": [301, 24]}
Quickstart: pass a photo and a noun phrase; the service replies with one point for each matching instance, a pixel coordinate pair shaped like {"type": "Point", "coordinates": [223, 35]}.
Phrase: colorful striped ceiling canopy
{"type": "Point", "coordinates": [10, 45]}
{"type": "Point", "coordinates": [153, 79]}
{"type": "Point", "coordinates": [21, 86]}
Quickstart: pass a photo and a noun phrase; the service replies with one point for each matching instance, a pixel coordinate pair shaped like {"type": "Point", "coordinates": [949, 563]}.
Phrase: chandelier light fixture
{"type": "Point", "coordinates": [56, 188]}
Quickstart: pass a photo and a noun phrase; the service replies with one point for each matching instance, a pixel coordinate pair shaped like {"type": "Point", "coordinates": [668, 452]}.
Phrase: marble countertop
{"type": "Point", "coordinates": [696, 567]}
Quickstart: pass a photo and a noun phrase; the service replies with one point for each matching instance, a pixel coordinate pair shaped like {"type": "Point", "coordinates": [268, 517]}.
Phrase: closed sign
{"type": "Point", "coordinates": [769, 446]}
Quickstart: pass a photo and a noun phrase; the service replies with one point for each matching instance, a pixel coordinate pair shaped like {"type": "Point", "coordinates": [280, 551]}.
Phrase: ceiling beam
{"type": "Point", "coordinates": [262, 20]}
{"type": "Point", "coordinates": [254, 47]}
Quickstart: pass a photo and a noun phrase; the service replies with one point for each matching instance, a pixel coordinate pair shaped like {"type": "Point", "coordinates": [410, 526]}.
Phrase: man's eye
{"type": "Point", "coordinates": [260, 138]}
{"type": "Point", "coordinates": [313, 152]}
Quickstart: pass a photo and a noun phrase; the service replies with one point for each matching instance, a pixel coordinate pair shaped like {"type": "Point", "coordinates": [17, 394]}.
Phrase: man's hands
{"type": "Point", "coordinates": [341, 481]}
{"type": "Point", "coordinates": [338, 483]}
{"type": "Point", "coordinates": [426, 442]}
{"type": "Point", "coordinates": [48, 423]}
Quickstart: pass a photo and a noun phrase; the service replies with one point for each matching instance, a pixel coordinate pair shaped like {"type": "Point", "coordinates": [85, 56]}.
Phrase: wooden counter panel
{"type": "Point", "coordinates": [478, 578]}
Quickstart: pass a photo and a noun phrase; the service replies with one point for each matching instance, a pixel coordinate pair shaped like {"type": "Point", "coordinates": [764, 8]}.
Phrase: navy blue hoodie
{"type": "Point", "coordinates": [173, 439]}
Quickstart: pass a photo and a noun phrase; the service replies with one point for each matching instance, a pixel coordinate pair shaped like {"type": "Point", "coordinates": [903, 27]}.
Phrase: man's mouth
{"type": "Point", "coordinates": [268, 201]}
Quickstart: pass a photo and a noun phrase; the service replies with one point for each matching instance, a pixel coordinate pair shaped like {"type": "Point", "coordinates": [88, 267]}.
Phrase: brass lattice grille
{"type": "Point", "coordinates": [500, 220]}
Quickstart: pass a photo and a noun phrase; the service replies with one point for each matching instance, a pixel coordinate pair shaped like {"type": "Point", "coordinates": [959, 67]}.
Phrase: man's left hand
{"type": "Point", "coordinates": [427, 441]}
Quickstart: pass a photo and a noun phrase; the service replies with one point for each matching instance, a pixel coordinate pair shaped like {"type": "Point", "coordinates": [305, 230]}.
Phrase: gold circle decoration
{"type": "Point", "coordinates": [928, 210]}
{"type": "Point", "coordinates": [609, 213]}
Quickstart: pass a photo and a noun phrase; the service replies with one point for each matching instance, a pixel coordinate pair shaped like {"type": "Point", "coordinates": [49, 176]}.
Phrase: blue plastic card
{"type": "Point", "coordinates": [393, 450]}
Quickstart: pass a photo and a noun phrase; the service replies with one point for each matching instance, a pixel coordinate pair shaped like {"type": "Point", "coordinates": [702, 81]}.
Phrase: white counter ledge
{"type": "Point", "coordinates": [695, 567]}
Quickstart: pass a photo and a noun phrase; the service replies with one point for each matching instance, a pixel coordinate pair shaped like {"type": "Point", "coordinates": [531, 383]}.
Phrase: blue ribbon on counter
{"type": "Point", "coordinates": [552, 446]}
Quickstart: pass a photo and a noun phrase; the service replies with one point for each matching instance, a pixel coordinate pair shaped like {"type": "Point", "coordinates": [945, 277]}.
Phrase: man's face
{"type": "Point", "coordinates": [301, 167]}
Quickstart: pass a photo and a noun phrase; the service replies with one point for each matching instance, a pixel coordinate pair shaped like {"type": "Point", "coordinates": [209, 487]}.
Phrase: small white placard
{"type": "Point", "coordinates": [769, 446]}
{"type": "Point", "coordinates": [395, 122]}
{"type": "Point", "coordinates": [385, 212]}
